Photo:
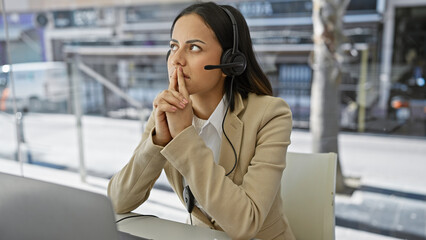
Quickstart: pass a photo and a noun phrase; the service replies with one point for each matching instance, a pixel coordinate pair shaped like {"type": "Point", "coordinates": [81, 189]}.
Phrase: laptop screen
{"type": "Point", "coordinates": [33, 209]}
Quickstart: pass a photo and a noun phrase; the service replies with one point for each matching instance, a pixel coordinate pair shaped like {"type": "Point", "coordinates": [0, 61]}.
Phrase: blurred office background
{"type": "Point", "coordinates": [77, 81]}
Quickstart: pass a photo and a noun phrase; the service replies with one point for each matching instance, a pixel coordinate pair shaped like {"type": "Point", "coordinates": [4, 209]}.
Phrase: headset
{"type": "Point", "coordinates": [233, 63]}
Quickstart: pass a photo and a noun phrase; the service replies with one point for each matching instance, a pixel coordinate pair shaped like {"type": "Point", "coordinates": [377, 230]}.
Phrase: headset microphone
{"type": "Point", "coordinates": [225, 65]}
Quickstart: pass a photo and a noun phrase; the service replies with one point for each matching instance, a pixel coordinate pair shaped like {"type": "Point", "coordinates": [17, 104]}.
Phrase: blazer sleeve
{"type": "Point", "coordinates": [240, 210]}
{"type": "Point", "coordinates": [131, 186]}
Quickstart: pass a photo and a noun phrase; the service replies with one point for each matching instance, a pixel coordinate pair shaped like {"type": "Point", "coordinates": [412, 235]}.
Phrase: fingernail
{"type": "Point", "coordinates": [182, 105]}
{"type": "Point", "coordinates": [174, 109]}
{"type": "Point", "coordinates": [185, 101]}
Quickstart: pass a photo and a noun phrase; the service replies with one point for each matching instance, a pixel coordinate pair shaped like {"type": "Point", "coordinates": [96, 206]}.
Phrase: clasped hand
{"type": "Point", "coordinates": [173, 109]}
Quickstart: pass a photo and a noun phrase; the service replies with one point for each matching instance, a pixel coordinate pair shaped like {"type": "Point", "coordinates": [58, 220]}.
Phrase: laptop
{"type": "Point", "coordinates": [33, 209]}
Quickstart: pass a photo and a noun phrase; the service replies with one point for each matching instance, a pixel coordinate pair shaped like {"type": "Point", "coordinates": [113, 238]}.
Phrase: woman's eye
{"type": "Point", "coordinates": [195, 48]}
{"type": "Point", "coordinates": [173, 47]}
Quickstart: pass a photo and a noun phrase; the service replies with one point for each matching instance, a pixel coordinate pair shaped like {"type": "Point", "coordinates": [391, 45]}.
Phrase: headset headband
{"type": "Point", "coordinates": [234, 30]}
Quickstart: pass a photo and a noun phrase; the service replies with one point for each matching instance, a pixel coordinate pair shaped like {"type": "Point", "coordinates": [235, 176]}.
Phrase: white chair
{"type": "Point", "coordinates": [308, 189]}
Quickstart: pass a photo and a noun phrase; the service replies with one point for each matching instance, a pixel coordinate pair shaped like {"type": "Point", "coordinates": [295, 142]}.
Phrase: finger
{"type": "Point", "coordinates": [181, 83]}
{"type": "Point", "coordinates": [179, 100]}
{"type": "Point", "coordinates": [173, 84]}
{"type": "Point", "coordinates": [159, 115]}
{"type": "Point", "coordinates": [172, 97]}
{"type": "Point", "coordinates": [165, 107]}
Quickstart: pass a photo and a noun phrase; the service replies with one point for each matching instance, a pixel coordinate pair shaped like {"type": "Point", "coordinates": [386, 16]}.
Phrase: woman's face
{"type": "Point", "coordinates": [194, 45]}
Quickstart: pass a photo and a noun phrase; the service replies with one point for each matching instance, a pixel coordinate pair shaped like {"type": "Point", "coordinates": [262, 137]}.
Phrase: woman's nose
{"type": "Point", "coordinates": [177, 58]}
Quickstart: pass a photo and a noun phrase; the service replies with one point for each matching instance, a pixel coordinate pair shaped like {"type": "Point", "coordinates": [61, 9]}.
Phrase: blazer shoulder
{"type": "Point", "coordinates": [263, 101]}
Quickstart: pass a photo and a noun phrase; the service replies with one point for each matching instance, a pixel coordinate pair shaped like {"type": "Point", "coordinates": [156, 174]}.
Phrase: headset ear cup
{"type": "Point", "coordinates": [226, 58]}
{"type": "Point", "coordinates": [238, 57]}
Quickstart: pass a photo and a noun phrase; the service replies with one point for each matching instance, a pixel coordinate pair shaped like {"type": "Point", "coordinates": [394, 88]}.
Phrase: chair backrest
{"type": "Point", "coordinates": [308, 189]}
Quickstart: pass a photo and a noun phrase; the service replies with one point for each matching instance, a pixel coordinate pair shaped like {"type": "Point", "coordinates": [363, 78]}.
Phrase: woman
{"type": "Point", "coordinates": [223, 136]}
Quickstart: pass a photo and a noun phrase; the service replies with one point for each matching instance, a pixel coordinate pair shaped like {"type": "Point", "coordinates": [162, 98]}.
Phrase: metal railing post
{"type": "Point", "coordinates": [76, 89]}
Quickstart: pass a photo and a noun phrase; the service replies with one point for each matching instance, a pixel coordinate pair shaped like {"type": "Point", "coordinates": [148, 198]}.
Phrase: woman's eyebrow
{"type": "Point", "coordinates": [189, 41]}
{"type": "Point", "coordinates": [195, 40]}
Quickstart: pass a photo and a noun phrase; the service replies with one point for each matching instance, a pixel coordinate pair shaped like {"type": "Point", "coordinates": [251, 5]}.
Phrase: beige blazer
{"type": "Point", "coordinates": [245, 204]}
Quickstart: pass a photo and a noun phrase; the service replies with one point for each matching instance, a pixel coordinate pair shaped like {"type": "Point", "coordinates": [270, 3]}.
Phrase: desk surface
{"type": "Point", "coordinates": [157, 229]}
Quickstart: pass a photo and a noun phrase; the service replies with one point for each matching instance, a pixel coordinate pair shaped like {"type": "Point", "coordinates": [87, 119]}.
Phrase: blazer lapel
{"type": "Point", "coordinates": [233, 127]}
